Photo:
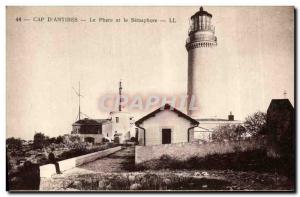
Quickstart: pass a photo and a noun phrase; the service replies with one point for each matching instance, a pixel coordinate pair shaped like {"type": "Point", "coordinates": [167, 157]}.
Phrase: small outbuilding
{"type": "Point", "coordinates": [165, 125]}
{"type": "Point", "coordinates": [281, 127]}
{"type": "Point", "coordinates": [281, 135]}
{"type": "Point", "coordinates": [90, 130]}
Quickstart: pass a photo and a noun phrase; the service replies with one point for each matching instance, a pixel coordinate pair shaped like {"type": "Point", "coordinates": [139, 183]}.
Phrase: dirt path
{"type": "Point", "coordinates": [116, 162]}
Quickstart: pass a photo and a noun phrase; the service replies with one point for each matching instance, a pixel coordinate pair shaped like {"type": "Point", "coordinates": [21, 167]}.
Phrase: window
{"type": "Point", "coordinates": [117, 119]}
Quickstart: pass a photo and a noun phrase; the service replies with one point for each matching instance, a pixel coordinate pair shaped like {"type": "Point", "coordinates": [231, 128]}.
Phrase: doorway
{"type": "Point", "coordinates": [166, 136]}
{"type": "Point", "coordinates": [89, 139]}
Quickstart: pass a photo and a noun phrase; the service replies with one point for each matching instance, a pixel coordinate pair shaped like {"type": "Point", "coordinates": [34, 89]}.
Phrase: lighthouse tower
{"type": "Point", "coordinates": [201, 45]}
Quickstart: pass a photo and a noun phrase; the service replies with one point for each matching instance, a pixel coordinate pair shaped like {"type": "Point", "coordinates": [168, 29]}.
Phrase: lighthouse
{"type": "Point", "coordinates": [200, 45]}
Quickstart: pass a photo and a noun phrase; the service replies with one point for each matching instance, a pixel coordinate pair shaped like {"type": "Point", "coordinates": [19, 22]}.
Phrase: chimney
{"type": "Point", "coordinates": [231, 117]}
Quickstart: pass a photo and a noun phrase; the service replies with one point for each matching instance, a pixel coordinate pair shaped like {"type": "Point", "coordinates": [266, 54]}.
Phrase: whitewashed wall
{"type": "Point", "coordinates": [49, 169]}
{"type": "Point", "coordinates": [165, 119]}
{"type": "Point", "coordinates": [123, 126]}
{"type": "Point", "coordinates": [107, 130]}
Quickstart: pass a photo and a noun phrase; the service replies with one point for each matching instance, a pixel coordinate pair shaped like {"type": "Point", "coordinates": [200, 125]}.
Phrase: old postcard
{"type": "Point", "coordinates": [137, 99]}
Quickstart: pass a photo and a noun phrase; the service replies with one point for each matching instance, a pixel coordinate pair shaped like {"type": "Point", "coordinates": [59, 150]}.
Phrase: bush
{"type": "Point", "coordinates": [73, 153]}
{"type": "Point", "coordinates": [59, 140]}
{"type": "Point", "coordinates": [26, 177]}
{"type": "Point", "coordinates": [255, 123]}
{"type": "Point", "coordinates": [40, 140]}
{"type": "Point", "coordinates": [14, 143]}
{"type": "Point", "coordinates": [228, 132]}
{"type": "Point", "coordinates": [251, 160]}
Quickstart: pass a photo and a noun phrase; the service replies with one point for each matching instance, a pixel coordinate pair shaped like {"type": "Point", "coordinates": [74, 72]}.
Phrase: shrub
{"type": "Point", "coordinates": [255, 123]}
{"type": "Point", "coordinates": [228, 132]}
{"type": "Point", "coordinates": [40, 140]}
{"type": "Point", "coordinates": [251, 160]}
{"type": "Point", "coordinates": [14, 143]}
{"type": "Point", "coordinates": [59, 140]}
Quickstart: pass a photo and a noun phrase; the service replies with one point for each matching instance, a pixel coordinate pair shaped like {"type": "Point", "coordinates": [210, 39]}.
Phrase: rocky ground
{"type": "Point", "coordinates": [169, 180]}
{"type": "Point", "coordinates": [114, 173]}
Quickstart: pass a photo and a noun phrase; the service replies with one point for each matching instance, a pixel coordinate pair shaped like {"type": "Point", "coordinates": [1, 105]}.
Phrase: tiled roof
{"type": "Point", "coordinates": [88, 121]}
{"type": "Point", "coordinates": [102, 121]}
{"type": "Point", "coordinates": [166, 107]}
{"type": "Point", "coordinates": [212, 119]}
{"type": "Point", "coordinates": [280, 104]}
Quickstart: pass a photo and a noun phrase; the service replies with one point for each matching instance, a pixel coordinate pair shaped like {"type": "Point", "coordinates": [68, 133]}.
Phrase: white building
{"type": "Point", "coordinates": [165, 126]}
{"type": "Point", "coordinates": [118, 127]}
{"type": "Point", "coordinates": [122, 126]}
{"type": "Point", "coordinates": [91, 130]}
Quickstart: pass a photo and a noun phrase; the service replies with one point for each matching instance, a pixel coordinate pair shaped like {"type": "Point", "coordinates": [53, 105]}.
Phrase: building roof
{"type": "Point", "coordinates": [280, 104]}
{"type": "Point", "coordinates": [166, 107]}
{"type": "Point", "coordinates": [212, 119]}
{"type": "Point", "coordinates": [102, 121]}
{"type": "Point", "coordinates": [87, 121]}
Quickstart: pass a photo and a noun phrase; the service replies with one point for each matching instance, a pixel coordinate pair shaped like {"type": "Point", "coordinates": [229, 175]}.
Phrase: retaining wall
{"type": "Point", "coordinates": [183, 151]}
{"type": "Point", "coordinates": [49, 169]}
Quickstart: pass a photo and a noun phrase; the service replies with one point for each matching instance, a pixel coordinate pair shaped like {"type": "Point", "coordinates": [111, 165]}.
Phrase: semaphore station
{"type": "Point", "coordinates": [184, 118]}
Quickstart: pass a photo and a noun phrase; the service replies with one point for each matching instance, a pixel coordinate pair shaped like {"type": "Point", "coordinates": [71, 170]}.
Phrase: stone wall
{"type": "Point", "coordinates": [49, 169]}
{"type": "Point", "coordinates": [185, 150]}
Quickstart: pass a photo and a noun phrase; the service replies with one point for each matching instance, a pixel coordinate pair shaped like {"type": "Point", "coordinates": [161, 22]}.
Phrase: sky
{"type": "Point", "coordinates": [46, 60]}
